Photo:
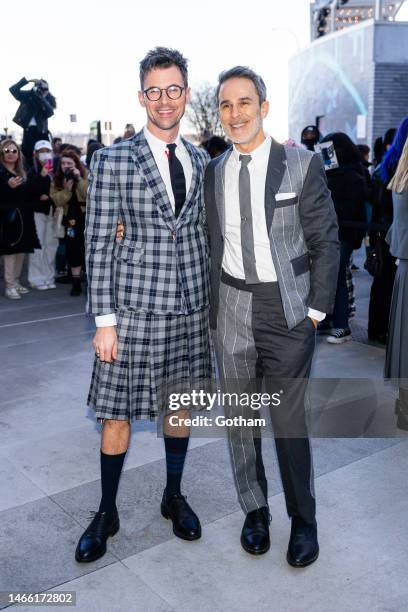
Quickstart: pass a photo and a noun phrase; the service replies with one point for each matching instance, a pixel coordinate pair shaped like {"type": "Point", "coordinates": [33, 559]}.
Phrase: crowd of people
{"type": "Point", "coordinates": [43, 185]}
{"type": "Point", "coordinates": [42, 214]}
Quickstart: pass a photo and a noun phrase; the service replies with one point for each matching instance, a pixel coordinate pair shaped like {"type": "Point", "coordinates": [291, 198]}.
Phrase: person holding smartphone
{"type": "Point", "coordinates": [41, 264]}
{"type": "Point", "coordinates": [68, 189]}
{"type": "Point", "coordinates": [17, 230]}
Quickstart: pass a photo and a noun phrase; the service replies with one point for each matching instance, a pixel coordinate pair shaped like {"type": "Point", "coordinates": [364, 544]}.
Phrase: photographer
{"type": "Point", "coordinates": [69, 189]}
{"type": "Point", "coordinates": [36, 107]}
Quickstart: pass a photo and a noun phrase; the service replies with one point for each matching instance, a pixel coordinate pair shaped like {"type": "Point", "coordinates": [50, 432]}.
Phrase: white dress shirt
{"type": "Point", "coordinates": [232, 261]}
{"type": "Point", "coordinates": [159, 150]}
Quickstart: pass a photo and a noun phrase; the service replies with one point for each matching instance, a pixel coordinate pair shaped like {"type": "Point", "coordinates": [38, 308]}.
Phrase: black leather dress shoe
{"type": "Point", "coordinates": [255, 532]}
{"type": "Point", "coordinates": [303, 547]}
{"type": "Point", "coordinates": [92, 543]}
{"type": "Point", "coordinates": [186, 524]}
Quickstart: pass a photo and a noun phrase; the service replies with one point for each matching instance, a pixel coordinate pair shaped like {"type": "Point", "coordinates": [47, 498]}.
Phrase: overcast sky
{"type": "Point", "coordinates": [89, 51]}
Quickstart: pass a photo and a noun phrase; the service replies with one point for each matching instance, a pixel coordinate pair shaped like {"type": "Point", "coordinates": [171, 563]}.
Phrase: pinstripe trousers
{"type": "Point", "coordinates": [255, 350]}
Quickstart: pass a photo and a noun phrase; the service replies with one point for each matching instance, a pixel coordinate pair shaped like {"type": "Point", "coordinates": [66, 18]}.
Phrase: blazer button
{"type": "Point", "coordinates": [243, 218]}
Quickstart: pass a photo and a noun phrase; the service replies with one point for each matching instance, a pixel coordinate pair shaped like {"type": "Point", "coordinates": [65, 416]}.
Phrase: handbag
{"type": "Point", "coordinates": [59, 229]}
{"type": "Point", "coordinates": [374, 263]}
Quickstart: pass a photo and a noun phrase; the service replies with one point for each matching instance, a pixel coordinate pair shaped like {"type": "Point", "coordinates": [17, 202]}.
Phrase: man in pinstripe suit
{"type": "Point", "coordinates": [148, 291]}
{"type": "Point", "coordinates": [274, 262]}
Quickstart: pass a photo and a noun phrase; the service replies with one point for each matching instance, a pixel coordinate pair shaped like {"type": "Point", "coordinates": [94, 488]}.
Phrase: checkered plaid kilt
{"type": "Point", "coordinates": [157, 355]}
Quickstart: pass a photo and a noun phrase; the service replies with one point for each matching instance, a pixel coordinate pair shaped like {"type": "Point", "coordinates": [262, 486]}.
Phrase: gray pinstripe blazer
{"type": "Point", "coordinates": [303, 230]}
{"type": "Point", "coordinates": [162, 263]}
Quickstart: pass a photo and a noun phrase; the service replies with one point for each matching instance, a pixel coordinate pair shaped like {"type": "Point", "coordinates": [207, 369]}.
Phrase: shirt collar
{"type": "Point", "coordinates": [261, 151]}
{"type": "Point", "coordinates": [156, 144]}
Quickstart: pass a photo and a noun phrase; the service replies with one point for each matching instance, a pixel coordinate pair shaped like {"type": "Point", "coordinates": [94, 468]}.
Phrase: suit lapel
{"type": "Point", "coordinates": [219, 171]}
{"type": "Point", "coordinates": [143, 157]}
{"type": "Point", "coordinates": [274, 175]}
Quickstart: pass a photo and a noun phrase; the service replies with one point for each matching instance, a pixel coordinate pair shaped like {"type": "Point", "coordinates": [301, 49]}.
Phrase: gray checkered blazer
{"type": "Point", "coordinates": [162, 263]}
{"type": "Point", "coordinates": [302, 227]}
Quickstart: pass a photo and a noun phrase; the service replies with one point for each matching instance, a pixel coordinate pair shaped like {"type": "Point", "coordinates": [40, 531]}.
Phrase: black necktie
{"type": "Point", "coordinates": [178, 180]}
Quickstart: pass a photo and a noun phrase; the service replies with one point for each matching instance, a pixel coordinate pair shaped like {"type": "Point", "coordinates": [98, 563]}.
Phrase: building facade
{"type": "Point", "coordinates": [354, 80]}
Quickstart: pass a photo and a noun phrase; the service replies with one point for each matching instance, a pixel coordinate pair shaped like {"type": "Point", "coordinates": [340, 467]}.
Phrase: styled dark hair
{"type": "Point", "coordinates": [364, 149]}
{"type": "Point", "coordinates": [215, 145]}
{"type": "Point", "coordinates": [245, 73]}
{"type": "Point", "coordinates": [346, 151]}
{"type": "Point", "coordinates": [163, 57]}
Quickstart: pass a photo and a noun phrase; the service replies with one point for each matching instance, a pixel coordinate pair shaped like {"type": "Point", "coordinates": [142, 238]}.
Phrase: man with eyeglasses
{"type": "Point", "coordinates": [148, 291]}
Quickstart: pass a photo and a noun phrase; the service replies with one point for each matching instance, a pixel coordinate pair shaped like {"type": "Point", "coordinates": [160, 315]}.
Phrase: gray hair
{"type": "Point", "coordinates": [245, 73]}
{"type": "Point", "coordinates": [163, 57]}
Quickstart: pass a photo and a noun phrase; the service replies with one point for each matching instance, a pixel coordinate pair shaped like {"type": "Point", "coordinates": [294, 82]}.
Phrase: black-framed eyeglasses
{"type": "Point", "coordinates": [173, 92]}
{"type": "Point", "coordinates": [10, 151]}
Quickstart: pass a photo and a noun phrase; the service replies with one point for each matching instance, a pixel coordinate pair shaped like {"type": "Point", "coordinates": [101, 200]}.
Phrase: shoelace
{"type": "Point", "coordinates": [99, 528]}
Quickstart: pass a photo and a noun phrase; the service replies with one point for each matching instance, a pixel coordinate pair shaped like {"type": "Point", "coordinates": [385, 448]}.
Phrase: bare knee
{"type": "Point", "coordinates": [115, 436]}
{"type": "Point", "coordinates": [115, 425]}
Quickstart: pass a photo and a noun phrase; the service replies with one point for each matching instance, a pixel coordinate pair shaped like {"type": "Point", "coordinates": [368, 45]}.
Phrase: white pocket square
{"type": "Point", "coordinates": [285, 196]}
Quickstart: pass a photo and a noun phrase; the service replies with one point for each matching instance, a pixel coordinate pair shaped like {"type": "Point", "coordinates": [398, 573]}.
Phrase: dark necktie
{"type": "Point", "coordinates": [247, 230]}
{"type": "Point", "coordinates": [178, 180]}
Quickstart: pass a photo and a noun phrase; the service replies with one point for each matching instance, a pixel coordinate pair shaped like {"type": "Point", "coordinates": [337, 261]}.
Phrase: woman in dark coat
{"type": "Point", "coordinates": [381, 289]}
{"type": "Point", "coordinates": [396, 362]}
{"type": "Point", "coordinates": [17, 229]}
{"type": "Point", "coordinates": [349, 192]}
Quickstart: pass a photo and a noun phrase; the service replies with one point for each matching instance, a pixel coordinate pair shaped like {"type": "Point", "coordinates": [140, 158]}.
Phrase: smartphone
{"type": "Point", "coordinates": [49, 165]}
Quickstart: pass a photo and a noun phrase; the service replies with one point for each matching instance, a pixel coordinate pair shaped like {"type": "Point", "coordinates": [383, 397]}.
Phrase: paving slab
{"type": "Point", "coordinates": [38, 540]}
{"type": "Point", "coordinates": [359, 532]}
{"type": "Point", "coordinates": [114, 588]}
{"type": "Point", "coordinates": [15, 487]}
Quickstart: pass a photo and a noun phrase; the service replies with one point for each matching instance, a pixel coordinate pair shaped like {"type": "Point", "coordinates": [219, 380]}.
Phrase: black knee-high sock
{"type": "Point", "coordinates": [176, 450]}
{"type": "Point", "coordinates": [111, 468]}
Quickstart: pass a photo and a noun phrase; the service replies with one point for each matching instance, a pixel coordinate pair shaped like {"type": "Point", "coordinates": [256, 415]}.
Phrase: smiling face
{"type": "Point", "coordinates": [241, 113]}
{"type": "Point", "coordinates": [10, 154]}
{"type": "Point", "coordinates": [164, 115]}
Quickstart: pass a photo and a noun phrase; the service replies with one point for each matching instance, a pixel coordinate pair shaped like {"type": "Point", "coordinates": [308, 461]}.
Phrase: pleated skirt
{"type": "Point", "coordinates": [157, 355]}
{"type": "Point", "coordinates": [396, 360]}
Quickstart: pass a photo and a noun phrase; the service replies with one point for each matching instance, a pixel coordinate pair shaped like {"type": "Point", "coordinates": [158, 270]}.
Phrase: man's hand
{"type": "Point", "coordinates": [105, 343]}
{"type": "Point", "coordinates": [315, 323]}
{"type": "Point", "coordinates": [44, 197]}
{"type": "Point", "coordinates": [120, 230]}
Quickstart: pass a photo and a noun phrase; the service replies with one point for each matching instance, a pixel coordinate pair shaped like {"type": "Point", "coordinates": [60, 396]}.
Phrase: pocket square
{"type": "Point", "coordinates": [285, 196]}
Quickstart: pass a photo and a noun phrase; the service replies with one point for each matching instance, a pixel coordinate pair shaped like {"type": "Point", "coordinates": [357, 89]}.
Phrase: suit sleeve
{"type": "Point", "coordinates": [320, 228]}
{"type": "Point", "coordinates": [102, 215]}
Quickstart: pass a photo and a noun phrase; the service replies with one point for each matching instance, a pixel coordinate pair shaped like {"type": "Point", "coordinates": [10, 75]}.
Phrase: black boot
{"type": "Point", "coordinates": [92, 543]}
{"type": "Point", "coordinates": [76, 286]}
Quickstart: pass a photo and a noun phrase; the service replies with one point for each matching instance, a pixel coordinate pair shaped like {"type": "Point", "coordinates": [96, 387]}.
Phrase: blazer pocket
{"type": "Point", "coordinates": [281, 202]}
{"type": "Point", "coordinates": [128, 253]}
{"type": "Point", "coordinates": [301, 264]}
